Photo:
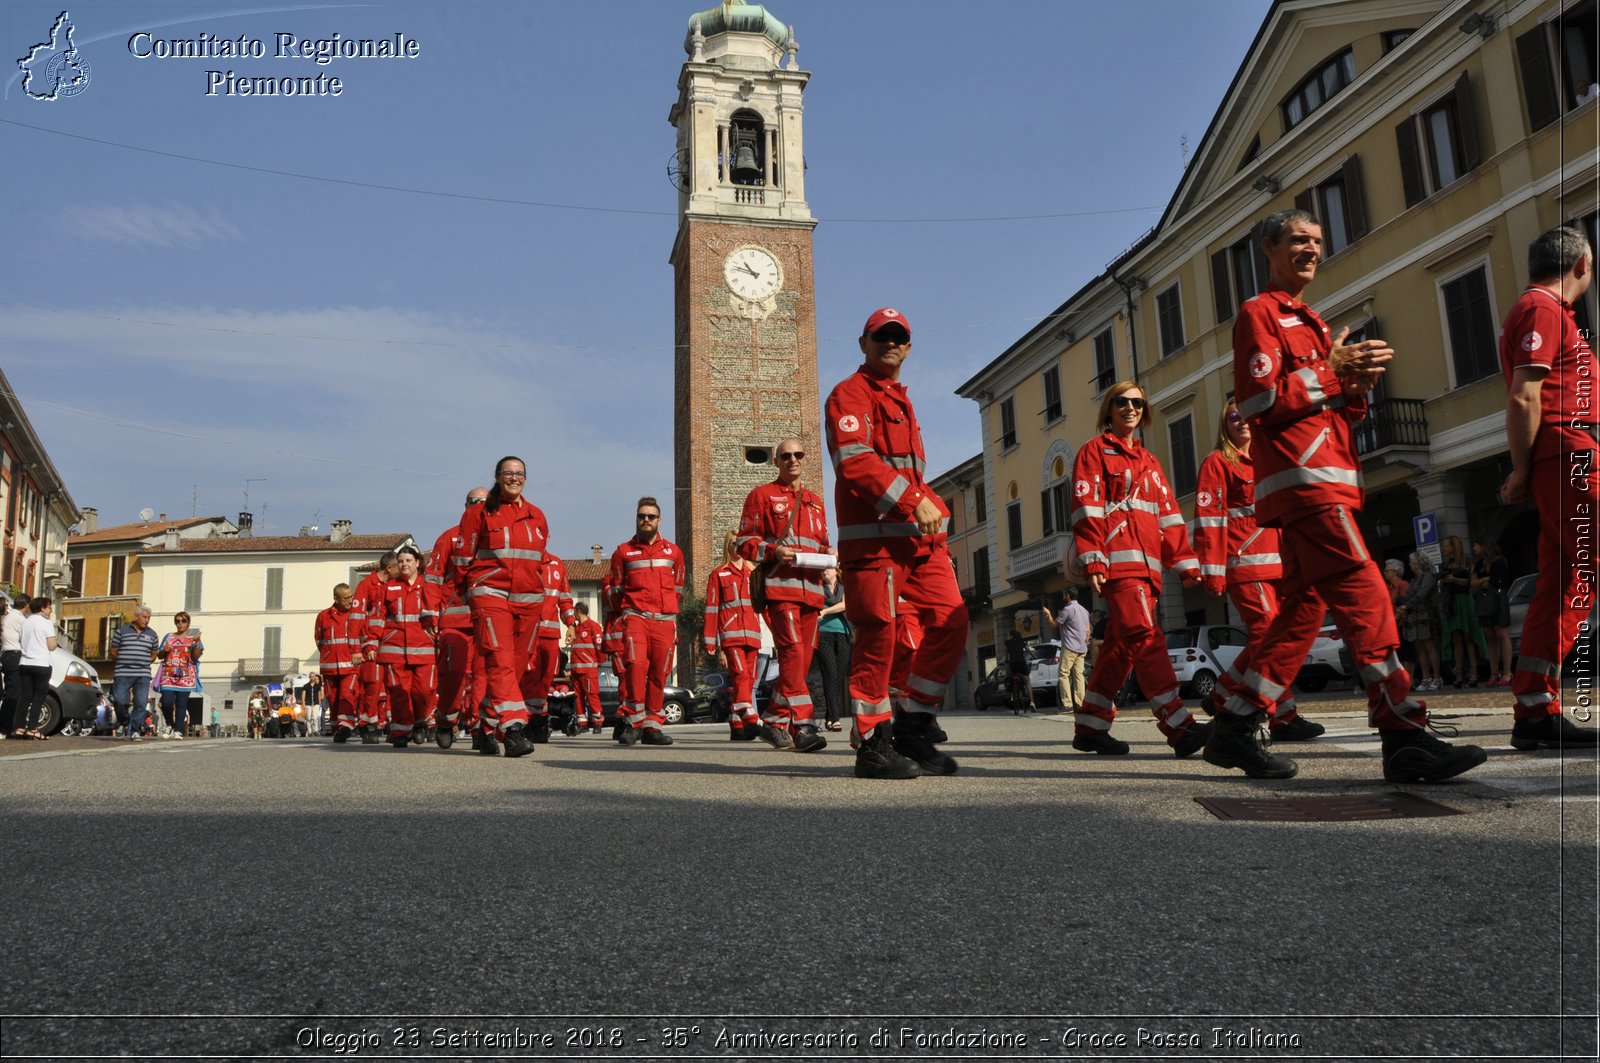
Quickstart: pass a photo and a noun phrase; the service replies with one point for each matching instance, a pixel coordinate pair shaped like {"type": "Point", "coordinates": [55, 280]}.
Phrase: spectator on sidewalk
{"type": "Point", "coordinates": [133, 651]}
{"type": "Point", "coordinates": [1071, 622]}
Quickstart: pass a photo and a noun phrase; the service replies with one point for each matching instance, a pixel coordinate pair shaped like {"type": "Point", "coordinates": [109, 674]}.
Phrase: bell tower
{"type": "Point", "coordinates": [746, 336]}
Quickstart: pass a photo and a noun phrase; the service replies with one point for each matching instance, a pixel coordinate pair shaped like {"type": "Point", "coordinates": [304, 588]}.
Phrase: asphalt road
{"type": "Point", "coordinates": [299, 900]}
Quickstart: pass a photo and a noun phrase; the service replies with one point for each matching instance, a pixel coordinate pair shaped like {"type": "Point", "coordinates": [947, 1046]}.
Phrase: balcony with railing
{"type": "Point", "coordinates": [1391, 428]}
{"type": "Point", "coordinates": [267, 667]}
{"type": "Point", "coordinates": [1028, 567]}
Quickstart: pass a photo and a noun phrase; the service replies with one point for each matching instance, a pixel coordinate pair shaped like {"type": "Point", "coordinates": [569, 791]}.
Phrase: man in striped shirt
{"type": "Point", "coordinates": [133, 651]}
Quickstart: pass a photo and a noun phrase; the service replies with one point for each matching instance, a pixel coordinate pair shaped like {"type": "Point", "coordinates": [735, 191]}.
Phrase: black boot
{"type": "Point", "coordinates": [1414, 755]}
{"type": "Point", "coordinates": [1551, 732]}
{"type": "Point", "coordinates": [369, 735]}
{"type": "Point", "coordinates": [878, 759]}
{"type": "Point", "coordinates": [538, 729]}
{"type": "Point", "coordinates": [1101, 743]}
{"type": "Point", "coordinates": [517, 742]}
{"type": "Point", "coordinates": [1297, 729]}
{"type": "Point", "coordinates": [1235, 742]}
{"type": "Point", "coordinates": [1192, 739]}
{"type": "Point", "coordinates": [444, 737]}
{"type": "Point", "coordinates": [806, 739]}
{"type": "Point", "coordinates": [655, 736]}
{"type": "Point", "coordinates": [485, 744]}
{"type": "Point", "coordinates": [913, 738]}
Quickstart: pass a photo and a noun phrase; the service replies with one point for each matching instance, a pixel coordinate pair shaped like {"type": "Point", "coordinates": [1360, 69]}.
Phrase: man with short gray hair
{"type": "Point", "coordinates": [133, 651]}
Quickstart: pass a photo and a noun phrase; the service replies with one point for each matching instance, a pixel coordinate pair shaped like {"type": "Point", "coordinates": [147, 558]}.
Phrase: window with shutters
{"type": "Point", "coordinates": [271, 649]}
{"type": "Point", "coordinates": [1014, 525]}
{"type": "Point", "coordinates": [980, 504]}
{"type": "Point", "coordinates": [1169, 315]}
{"type": "Point", "coordinates": [1105, 361]}
{"type": "Point", "coordinates": [1339, 203]}
{"type": "Point", "coordinates": [1470, 327]}
{"type": "Point", "coordinates": [1008, 423]}
{"type": "Point", "coordinates": [980, 572]}
{"type": "Point", "coordinates": [1238, 272]}
{"type": "Point", "coordinates": [1325, 82]}
{"type": "Point", "coordinates": [1180, 441]}
{"type": "Point", "coordinates": [76, 568]}
{"type": "Point", "coordinates": [1558, 63]}
{"type": "Point", "coordinates": [1053, 502]}
{"type": "Point", "coordinates": [119, 576]}
{"type": "Point", "coordinates": [1439, 143]}
{"type": "Point", "coordinates": [1051, 381]}
{"type": "Point", "coordinates": [274, 589]}
{"type": "Point", "coordinates": [192, 579]}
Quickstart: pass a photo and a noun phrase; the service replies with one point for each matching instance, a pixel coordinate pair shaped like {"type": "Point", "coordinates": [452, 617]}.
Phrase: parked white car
{"type": "Point", "coordinates": [74, 692]}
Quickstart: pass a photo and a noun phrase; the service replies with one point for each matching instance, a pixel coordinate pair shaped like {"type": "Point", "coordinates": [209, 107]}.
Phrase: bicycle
{"type": "Point", "coordinates": [1019, 695]}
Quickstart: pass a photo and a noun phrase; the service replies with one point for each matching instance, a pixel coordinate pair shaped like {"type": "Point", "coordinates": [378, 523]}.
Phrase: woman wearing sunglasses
{"type": "Point", "coordinates": [1239, 557]}
{"type": "Point", "coordinates": [1127, 528]}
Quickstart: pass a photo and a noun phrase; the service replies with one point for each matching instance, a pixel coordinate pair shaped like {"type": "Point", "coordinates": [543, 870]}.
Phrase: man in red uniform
{"type": "Point", "coordinates": [584, 661]}
{"type": "Point", "coordinates": [1551, 376]}
{"type": "Point", "coordinates": [458, 658]}
{"type": "Point", "coordinates": [373, 720]}
{"type": "Point", "coordinates": [732, 637]}
{"type": "Point", "coordinates": [404, 631]}
{"type": "Point", "coordinates": [892, 546]}
{"type": "Point", "coordinates": [546, 658]}
{"type": "Point", "coordinates": [782, 520]}
{"type": "Point", "coordinates": [339, 630]}
{"type": "Point", "coordinates": [646, 576]}
{"type": "Point", "coordinates": [1302, 389]}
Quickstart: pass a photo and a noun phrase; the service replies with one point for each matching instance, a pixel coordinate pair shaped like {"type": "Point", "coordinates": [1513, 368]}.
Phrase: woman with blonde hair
{"type": "Point", "coordinates": [1127, 529]}
{"type": "Point", "coordinates": [1239, 557]}
{"type": "Point", "coordinates": [1419, 619]}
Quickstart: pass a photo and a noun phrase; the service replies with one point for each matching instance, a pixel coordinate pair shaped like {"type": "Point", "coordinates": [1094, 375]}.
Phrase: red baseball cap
{"type": "Point", "coordinates": [888, 315]}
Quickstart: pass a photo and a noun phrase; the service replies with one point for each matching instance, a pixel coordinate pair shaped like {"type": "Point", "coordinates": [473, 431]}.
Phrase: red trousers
{"type": "Point", "coordinates": [411, 692]}
{"type": "Point", "coordinates": [907, 637]}
{"type": "Point", "coordinates": [1134, 643]}
{"type": "Point", "coordinates": [1565, 488]}
{"type": "Point", "coordinates": [372, 689]}
{"type": "Point", "coordinates": [460, 672]}
{"type": "Point", "coordinates": [794, 640]}
{"type": "Point", "coordinates": [505, 634]}
{"type": "Point", "coordinates": [342, 689]}
{"type": "Point", "coordinates": [586, 688]}
{"type": "Point", "coordinates": [742, 675]}
{"type": "Point", "coordinates": [1325, 563]}
{"type": "Point", "coordinates": [1257, 602]}
{"type": "Point", "coordinates": [873, 591]}
{"type": "Point", "coordinates": [648, 647]}
{"type": "Point", "coordinates": [541, 673]}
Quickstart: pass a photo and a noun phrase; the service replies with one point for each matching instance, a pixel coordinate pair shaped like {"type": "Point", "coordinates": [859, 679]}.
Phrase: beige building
{"type": "Point", "coordinates": [962, 489]}
{"type": "Point", "coordinates": [36, 510]}
{"type": "Point", "coordinates": [1434, 139]}
{"type": "Point", "coordinates": [254, 601]}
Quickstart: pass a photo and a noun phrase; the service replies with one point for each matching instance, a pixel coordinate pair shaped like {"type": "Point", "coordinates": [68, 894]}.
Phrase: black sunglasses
{"type": "Point", "coordinates": [1123, 400]}
{"type": "Point", "coordinates": [891, 334]}
{"type": "Point", "coordinates": [648, 516]}
{"type": "Point", "coordinates": [793, 455]}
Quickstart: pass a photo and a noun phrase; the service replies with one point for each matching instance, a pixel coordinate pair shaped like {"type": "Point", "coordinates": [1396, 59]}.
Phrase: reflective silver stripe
{"type": "Point", "coordinates": [926, 686]}
{"type": "Point", "coordinates": [1357, 544]}
{"type": "Point", "coordinates": [1378, 671]}
{"type": "Point", "coordinates": [1164, 698]}
{"type": "Point", "coordinates": [649, 562]}
{"type": "Point", "coordinates": [1531, 701]}
{"type": "Point", "coordinates": [1211, 522]}
{"type": "Point", "coordinates": [1316, 445]}
{"type": "Point", "coordinates": [1242, 511]}
{"type": "Point", "coordinates": [1185, 566]}
{"type": "Point", "coordinates": [534, 597]}
{"type": "Point", "coordinates": [1537, 666]}
{"type": "Point", "coordinates": [1172, 520]}
{"type": "Point", "coordinates": [1085, 512]}
{"type": "Point", "coordinates": [586, 666]}
{"type": "Point", "coordinates": [1313, 383]}
{"type": "Point", "coordinates": [506, 552]}
{"type": "Point", "coordinates": [848, 451]}
{"type": "Point", "coordinates": [1256, 559]}
{"type": "Point", "coordinates": [904, 461]}
{"type": "Point", "coordinates": [1262, 685]}
{"type": "Point", "coordinates": [1256, 404]}
{"type": "Point", "coordinates": [1094, 723]}
{"type": "Point", "coordinates": [870, 708]}
{"type": "Point", "coordinates": [650, 616]}
{"type": "Point", "coordinates": [792, 584]}
{"type": "Point", "coordinates": [458, 610]}
{"type": "Point", "coordinates": [1098, 701]}
{"type": "Point", "coordinates": [1141, 505]}
{"type": "Point", "coordinates": [1326, 474]}
{"type": "Point", "coordinates": [892, 494]}
{"type": "Point", "coordinates": [1179, 718]}
{"type": "Point", "coordinates": [405, 651]}
{"type": "Point", "coordinates": [1093, 557]}
{"type": "Point", "coordinates": [1213, 570]}
{"type": "Point", "coordinates": [406, 618]}
{"type": "Point", "coordinates": [1132, 557]}
{"type": "Point", "coordinates": [741, 634]}
{"type": "Point", "coordinates": [885, 530]}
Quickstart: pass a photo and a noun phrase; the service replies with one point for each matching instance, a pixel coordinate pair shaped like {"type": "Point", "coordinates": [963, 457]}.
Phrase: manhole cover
{"type": "Point", "coordinates": [1325, 809]}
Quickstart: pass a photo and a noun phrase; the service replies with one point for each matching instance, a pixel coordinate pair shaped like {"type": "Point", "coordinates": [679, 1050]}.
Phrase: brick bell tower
{"type": "Point", "coordinates": [746, 335]}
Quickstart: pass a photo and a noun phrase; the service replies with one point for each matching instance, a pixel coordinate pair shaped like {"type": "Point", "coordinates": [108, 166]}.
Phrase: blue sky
{"type": "Point", "coordinates": [362, 301]}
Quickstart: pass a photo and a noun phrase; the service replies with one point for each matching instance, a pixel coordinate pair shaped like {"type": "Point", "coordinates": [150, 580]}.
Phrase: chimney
{"type": "Point", "coordinates": [246, 522]}
{"type": "Point", "coordinates": [305, 531]}
{"type": "Point", "coordinates": [160, 517]}
{"type": "Point", "coordinates": [597, 552]}
{"type": "Point", "coordinates": [339, 532]}
{"type": "Point", "coordinates": [174, 540]}
{"type": "Point", "coordinates": [89, 522]}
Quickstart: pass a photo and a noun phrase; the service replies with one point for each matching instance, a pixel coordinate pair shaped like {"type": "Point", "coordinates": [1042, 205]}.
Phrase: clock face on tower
{"type": "Point", "coordinates": [752, 273]}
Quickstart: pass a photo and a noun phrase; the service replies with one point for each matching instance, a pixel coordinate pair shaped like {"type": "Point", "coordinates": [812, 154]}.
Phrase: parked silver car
{"type": "Point", "coordinates": [1518, 597]}
{"type": "Point", "coordinates": [74, 692]}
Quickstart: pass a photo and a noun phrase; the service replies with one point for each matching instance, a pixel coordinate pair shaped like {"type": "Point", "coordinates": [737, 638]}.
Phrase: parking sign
{"type": "Point", "coordinates": [1425, 528]}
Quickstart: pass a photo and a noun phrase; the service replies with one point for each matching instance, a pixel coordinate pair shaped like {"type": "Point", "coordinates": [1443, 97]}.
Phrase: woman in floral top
{"type": "Point", "coordinates": [180, 671]}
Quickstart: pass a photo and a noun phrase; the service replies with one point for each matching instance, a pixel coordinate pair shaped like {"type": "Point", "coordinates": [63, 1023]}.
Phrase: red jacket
{"type": "Point", "coordinates": [587, 639]}
{"type": "Point", "coordinates": [1231, 548]}
{"type": "Point", "coordinates": [339, 637]}
{"type": "Point", "coordinates": [396, 627]}
{"type": "Point", "coordinates": [775, 515]}
{"type": "Point", "coordinates": [1126, 525]}
{"type": "Point", "coordinates": [454, 613]}
{"type": "Point", "coordinates": [501, 554]}
{"type": "Point", "coordinates": [730, 618]}
{"type": "Point", "coordinates": [1303, 444]}
{"type": "Point", "coordinates": [876, 448]}
{"type": "Point", "coordinates": [557, 609]}
{"type": "Point", "coordinates": [369, 592]}
{"type": "Point", "coordinates": [647, 578]}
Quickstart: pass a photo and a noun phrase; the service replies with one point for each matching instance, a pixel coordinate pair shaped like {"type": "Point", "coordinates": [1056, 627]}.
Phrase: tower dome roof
{"type": "Point", "coordinates": [737, 18]}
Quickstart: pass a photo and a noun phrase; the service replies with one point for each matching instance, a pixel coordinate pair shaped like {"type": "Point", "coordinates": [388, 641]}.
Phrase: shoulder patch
{"type": "Point", "coordinates": [849, 423]}
{"type": "Point", "coordinates": [1203, 498]}
{"type": "Point", "coordinates": [1532, 341]}
{"type": "Point", "coordinates": [1261, 365]}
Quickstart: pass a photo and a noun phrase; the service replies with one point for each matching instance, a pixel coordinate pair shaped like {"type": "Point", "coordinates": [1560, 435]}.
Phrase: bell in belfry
{"type": "Point", "coordinates": [745, 168]}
